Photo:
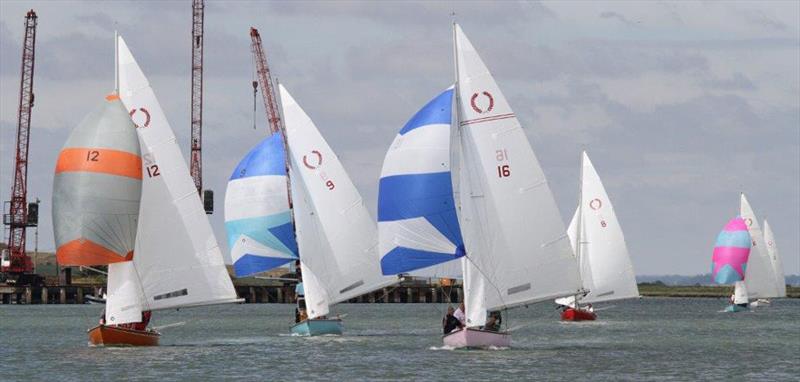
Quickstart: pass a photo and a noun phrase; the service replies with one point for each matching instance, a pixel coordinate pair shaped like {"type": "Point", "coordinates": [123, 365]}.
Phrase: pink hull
{"type": "Point", "coordinates": [476, 338]}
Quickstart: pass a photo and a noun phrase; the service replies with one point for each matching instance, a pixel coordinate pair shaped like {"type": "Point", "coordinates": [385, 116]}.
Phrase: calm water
{"type": "Point", "coordinates": [649, 339]}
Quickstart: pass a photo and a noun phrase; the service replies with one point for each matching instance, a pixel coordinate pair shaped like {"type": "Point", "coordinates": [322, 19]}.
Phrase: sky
{"type": "Point", "coordinates": [680, 105]}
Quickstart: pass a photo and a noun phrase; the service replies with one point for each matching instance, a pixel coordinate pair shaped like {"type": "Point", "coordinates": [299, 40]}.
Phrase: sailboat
{"type": "Point", "coordinates": [730, 261]}
{"type": "Point", "coordinates": [775, 259]}
{"type": "Point", "coordinates": [517, 251]}
{"type": "Point", "coordinates": [336, 238]}
{"type": "Point", "coordinates": [123, 197]}
{"type": "Point", "coordinates": [417, 220]}
{"type": "Point", "coordinates": [764, 273]}
{"type": "Point", "coordinates": [599, 245]}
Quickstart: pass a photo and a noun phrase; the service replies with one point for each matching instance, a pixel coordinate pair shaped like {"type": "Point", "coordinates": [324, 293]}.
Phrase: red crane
{"type": "Point", "coordinates": [265, 80]}
{"type": "Point", "coordinates": [17, 219]}
{"type": "Point", "coordinates": [196, 167]}
{"type": "Point", "coordinates": [270, 100]}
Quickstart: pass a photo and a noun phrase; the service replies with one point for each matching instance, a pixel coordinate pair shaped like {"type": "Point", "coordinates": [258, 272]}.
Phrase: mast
{"type": "Point", "coordinates": [116, 62]}
{"type": "Point", "coordinates": [579, 232]}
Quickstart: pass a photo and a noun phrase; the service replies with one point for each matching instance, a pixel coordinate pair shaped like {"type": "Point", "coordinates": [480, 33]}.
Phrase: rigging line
{"type": "Point", "coordinates": [499, 293]}
{"type": "Point", "coordinates": [387, 293]}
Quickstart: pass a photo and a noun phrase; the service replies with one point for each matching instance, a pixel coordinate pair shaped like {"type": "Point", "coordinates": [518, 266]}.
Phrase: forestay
{"type": "Point", "coordinates": [596, 236]}
{"type": "Point", "coordinates": [759, 275]}
{"type": "Point", "coordinates": [336, 237]}
{"type": "Point", "coordinates": [775, 259]}
{"type": "Point", "coordinates": [177, 258]}
{"type": "Point", "coordinates": [417, 222]}
{"type": "Point", "coordinates": [257, 216]}
{"type": "Point", "coordinates": [516, 245]}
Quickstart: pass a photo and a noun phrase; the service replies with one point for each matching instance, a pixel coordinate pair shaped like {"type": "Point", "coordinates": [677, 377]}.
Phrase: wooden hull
{"type": "Point", "coordinates": [572, 314]}
{"type": "Point", "coordinates": [473, 338]}
{"type": "Point", "coordinates": [104, 335]}
{"type": "Point", "coordinates": [318, 327]}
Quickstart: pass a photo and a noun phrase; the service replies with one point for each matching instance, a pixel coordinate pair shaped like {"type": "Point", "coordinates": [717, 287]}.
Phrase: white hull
{"type": "Point", "coordinates": [477, 338]}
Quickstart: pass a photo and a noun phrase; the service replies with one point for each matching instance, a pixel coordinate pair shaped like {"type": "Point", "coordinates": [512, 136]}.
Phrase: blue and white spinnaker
{"type": "Point", "coordinates": [417, 223]}
{"type": "Point", "coordinates": [257, 215]}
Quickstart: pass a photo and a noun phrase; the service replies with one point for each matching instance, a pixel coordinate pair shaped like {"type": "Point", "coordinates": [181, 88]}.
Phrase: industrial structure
{"type": "Point", "coordinates": [196, 166]}
{"type": "Point", "coordinates": [196, 144]}
{"type": "Point", "coordinates": [16, 265]}
{"type": "Point", "coordinates": [265, 81]}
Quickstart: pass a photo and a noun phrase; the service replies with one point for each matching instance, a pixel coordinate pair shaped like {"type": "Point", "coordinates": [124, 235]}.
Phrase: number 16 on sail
{"type": "Point", "coordinates": [503, 169]}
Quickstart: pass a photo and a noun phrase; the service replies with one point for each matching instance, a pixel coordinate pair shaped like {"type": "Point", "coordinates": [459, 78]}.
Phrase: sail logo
{"type": "Point", "coordinates": [749, 222]}
{"type": "Point", "coordinates": [318, 161]}
{"type": "Point", "coordinates": [479, 110]}
{"type": "Point", "coordinates": [315, 164]}
{"type": "Point", "coordinates": [146, 122]}
{"type": "Point", "coordinates": [595, 204]}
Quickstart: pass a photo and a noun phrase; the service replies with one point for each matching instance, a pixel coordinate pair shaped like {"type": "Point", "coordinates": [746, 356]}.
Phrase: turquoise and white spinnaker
{"type": "Point", "coordinates": [257, 215]}
{"type": "Point", "coordinates": [417, 221]}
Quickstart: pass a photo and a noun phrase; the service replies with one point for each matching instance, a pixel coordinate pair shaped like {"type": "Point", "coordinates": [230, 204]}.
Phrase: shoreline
{"type": "Point", "coordinates": [284, 293]}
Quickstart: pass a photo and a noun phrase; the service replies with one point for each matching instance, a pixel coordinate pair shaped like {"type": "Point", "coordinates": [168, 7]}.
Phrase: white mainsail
{"type": "Point", "coordinates": [336, 237]}
{"type": "Point", "coordinates": [775, 259]}
{"type": "Point", "coordinates": [517, 249]}
{"type": "Point", "coordinates": [176, 258]}
{"type": "Point", "coordinates": [759, 275]}
{"type": "Point", "coordinates": [599, 245]}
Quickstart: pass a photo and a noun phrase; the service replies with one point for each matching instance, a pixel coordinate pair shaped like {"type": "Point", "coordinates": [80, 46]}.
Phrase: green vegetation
{"type": "Point", "coordinates": [659, 289]}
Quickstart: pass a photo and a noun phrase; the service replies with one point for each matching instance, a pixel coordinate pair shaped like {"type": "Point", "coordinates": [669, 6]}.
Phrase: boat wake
{"type": "Point", "coordinates": [444, 347]}
{"type": "Point", "coordinates": [450, 348]}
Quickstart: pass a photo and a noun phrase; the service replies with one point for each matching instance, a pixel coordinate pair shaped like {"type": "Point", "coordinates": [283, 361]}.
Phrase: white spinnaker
{"type": "Point", "coordinates": [759, 275]}
{"type": "Point", "coordinates": [516, 245]}
{"type": "Point", "coordinates": [740, 293]}
{"type": "Point", "coordinates": [331, 217]}
{"type": "Point", "coordinates": [608, 264]}
{"type": "Point", "coordinates": [176, 256]}
{"type": "Point", "coordinates": [775, 259]}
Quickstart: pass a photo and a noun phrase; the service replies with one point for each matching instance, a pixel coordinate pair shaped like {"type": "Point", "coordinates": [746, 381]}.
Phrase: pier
{"type": "Point", "coordinates": [284, 294]}
{"type": "Point", "coordinates": [75, 294]}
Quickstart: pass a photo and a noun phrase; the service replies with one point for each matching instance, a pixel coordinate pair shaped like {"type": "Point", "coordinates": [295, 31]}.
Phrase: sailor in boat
{"type": "Point", "coordinates": [450, 322]}
{"type": "Point", "coordinates": [589, 308]}
{"type": "Point", "coordinates": [493, 322]}
{"type": "Point", "coordinates": [460, 315]}
{"type": "Point", "coordinates": [140, 326]}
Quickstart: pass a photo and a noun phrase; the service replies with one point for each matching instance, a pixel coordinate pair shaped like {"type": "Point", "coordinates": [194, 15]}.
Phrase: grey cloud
{"type": "Point", "coordinates": [9, 62]}
{"type": "Point", "coordinates": [736, 82]}
{"type": "Point", "coordinates": [759, 18]}
{"type": "Point", "coordinates": [672, 170]}
{"type": "Point", "coordinates": [619, 17]}
{"type": "Point", "coordinates": [417, 12]}
{"type": "Point", "coordinates": [680, 164]}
